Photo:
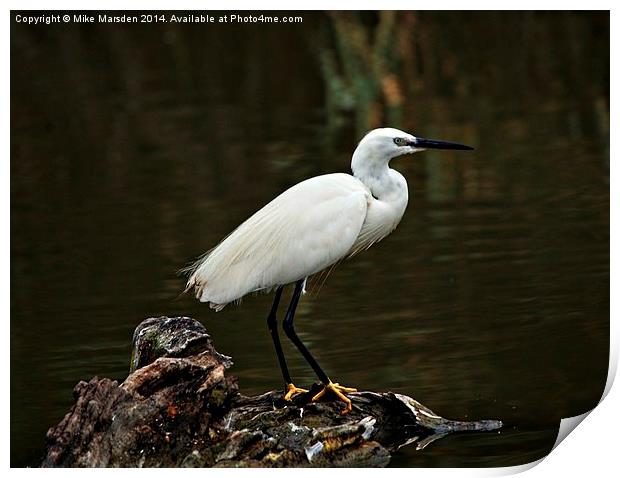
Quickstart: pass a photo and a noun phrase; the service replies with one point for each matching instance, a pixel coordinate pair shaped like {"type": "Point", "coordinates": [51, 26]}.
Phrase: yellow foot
{"type": "Point", "coordinates": [292, 390]}
{"type": "Point", "coordinates": [339, 391]}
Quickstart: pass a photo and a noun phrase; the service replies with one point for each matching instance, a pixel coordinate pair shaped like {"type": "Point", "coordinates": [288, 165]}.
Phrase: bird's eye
{"type": "Point", "coordinates": [400, 141]}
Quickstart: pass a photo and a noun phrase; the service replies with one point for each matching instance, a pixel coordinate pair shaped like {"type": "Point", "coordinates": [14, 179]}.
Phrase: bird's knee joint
{"type": "Point", "coordinates": [288, 328]}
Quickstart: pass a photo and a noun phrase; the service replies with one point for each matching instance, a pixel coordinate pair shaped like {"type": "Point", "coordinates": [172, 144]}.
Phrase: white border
{"type": "Point", "coordinates": [314, 5]}
{"type": "Point", "coordinates": [589, 450]}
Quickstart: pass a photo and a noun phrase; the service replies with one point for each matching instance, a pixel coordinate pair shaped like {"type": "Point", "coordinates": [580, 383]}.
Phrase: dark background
{"type": "Point", "coordinates": [135, 148]}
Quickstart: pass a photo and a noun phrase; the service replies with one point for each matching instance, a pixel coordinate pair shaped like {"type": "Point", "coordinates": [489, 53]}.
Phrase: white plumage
{"type": "Point", "coordinates": [312, 225]}
{"type": "Point", "coordinates": [302, 231]}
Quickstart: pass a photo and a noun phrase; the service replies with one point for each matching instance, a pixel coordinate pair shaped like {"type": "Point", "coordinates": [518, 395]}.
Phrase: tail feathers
{"type": "Point", "coordinates": [189, 286]}
{"type": "Point", "coordinates": [198, 286]}
{"type": "Point", "coordinates": [191, 271]}
{"type": "Point", "coordinates": [216, 307]}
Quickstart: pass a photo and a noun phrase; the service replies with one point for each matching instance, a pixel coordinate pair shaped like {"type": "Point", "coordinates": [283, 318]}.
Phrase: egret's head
{"type": "Point", "coordinates": [389, 143]}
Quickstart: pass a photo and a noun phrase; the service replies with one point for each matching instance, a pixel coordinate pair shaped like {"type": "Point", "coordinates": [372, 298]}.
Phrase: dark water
{"type": "Point", "coordinates": [136, 148]}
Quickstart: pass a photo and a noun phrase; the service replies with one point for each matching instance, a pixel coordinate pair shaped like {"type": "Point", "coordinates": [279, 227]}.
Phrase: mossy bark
{"type": "Point", "coordinates": [179, 408]}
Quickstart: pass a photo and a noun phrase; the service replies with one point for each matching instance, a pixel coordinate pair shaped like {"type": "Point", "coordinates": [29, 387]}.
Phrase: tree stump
{"type": "Point", "coordinates": [178, 408]}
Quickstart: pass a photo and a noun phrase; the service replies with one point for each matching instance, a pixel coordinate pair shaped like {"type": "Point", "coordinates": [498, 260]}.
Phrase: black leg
{"type": "Point", "coordinates": [272, 323]}
{"type": "Point", "coordinates": [289, 329]}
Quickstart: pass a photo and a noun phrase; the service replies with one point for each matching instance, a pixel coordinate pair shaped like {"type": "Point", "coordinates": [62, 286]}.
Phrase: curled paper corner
{"type": "Point", "coordinates": [567, 425]}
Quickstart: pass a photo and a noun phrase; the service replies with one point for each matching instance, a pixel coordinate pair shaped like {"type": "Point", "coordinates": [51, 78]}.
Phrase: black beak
{"type": "Point", "coordinates": [423, 143]}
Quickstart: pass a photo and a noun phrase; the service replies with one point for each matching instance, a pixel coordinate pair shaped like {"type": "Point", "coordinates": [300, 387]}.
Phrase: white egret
{"type": "Point", "coordinates": [307, 228]}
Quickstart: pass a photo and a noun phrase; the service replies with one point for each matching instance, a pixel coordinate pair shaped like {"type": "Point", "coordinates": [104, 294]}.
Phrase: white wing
{"type": "Point", "coordinates": [307, 228]}
{"type": "Point", "coordinates": [381, 219]}
{"type": "Point", "coordinates": [382, 216]}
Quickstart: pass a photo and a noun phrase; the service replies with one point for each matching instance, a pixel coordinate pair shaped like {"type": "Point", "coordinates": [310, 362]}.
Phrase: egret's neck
{"type": "Point", "coordinates": [385, 183]}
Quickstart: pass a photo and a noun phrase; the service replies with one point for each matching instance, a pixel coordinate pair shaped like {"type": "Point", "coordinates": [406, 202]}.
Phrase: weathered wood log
{"type": "Point", "coordinates": [178, 408]}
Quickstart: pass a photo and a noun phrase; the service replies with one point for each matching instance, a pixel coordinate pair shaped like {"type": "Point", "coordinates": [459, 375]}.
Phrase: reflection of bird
{"type": "Point", "coordinates": [308, 228]}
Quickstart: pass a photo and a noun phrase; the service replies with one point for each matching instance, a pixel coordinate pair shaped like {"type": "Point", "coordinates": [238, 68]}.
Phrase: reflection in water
{"type": "Point", "coordinates": [359, 66]}
{"type": "Point", "coordinates": [135, 149]}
